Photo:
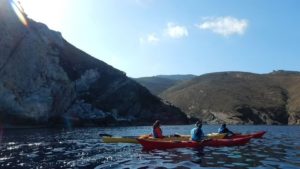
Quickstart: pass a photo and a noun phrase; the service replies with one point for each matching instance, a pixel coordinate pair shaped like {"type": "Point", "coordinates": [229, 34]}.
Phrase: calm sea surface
{"type": "Point", "coordinates": [83, 148]}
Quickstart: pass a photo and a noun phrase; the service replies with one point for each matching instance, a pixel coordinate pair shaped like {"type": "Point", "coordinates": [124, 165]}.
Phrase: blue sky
{"type": "Point", "coordinates": [151, 37]}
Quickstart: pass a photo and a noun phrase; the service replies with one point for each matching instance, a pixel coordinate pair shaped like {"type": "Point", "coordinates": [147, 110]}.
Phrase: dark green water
{"type": "Point", "coordinates": [82, 148]}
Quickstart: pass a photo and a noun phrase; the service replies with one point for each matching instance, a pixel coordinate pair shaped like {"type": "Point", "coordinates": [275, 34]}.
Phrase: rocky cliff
{"type": "Point", "coordinates": [44, 80]}
{"type": "Point", "coordinates": [240, 97]}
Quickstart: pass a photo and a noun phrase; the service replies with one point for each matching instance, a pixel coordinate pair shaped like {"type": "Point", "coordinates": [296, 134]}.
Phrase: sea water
{"type": "Point", "coordinates": [83, 148]}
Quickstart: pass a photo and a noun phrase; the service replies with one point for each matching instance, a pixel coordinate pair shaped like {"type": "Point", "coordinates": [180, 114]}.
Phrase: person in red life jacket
{"type": "Point", "coordinates": [157, 132]}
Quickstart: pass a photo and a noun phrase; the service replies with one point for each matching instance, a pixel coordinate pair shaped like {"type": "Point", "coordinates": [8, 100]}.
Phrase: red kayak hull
{"type": "Point", "coordinates": [227, 142]}
{"type": "Point", "coordinates": [252, 135]}
{"type": "Point", "coordinates": [157, 144]}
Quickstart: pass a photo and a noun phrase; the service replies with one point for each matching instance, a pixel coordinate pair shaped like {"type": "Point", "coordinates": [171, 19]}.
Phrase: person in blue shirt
{"type": "Point", "coordinates": [224, 129]}
{"type": "Point", "coordinates": [197, 133]}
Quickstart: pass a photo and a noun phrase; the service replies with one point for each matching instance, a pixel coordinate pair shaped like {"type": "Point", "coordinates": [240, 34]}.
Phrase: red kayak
{"type": "Point", "coordinates": [252, 135]}
{"type": "Point", "coordinates": [161, 144]}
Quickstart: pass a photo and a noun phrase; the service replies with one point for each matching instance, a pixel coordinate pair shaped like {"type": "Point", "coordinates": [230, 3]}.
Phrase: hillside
{"type": "Point", "coordinates": [158, 84]}
{"type": "Point", "coordinates": [240, 97]}
{"type": "Point", "coordinates": [44, 80]}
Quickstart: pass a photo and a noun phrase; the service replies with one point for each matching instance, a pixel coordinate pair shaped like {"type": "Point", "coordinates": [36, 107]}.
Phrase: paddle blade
{"type": "Point", "coordinates": [104, 135]}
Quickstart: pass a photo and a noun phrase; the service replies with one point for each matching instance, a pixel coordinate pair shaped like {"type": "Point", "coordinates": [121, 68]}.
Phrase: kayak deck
{"type": "Point", "coordinates": [107, 139]}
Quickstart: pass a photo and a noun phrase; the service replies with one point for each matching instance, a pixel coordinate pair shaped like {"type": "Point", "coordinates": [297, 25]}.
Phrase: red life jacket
{"type": "Point", "coordinates": [157, 133]}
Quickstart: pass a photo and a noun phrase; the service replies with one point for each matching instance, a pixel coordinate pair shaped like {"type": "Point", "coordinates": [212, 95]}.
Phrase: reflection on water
{"type": "Point", "coordinates": [82, 148]}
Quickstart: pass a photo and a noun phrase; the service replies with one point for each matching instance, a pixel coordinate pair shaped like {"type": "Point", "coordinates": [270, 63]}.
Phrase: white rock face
{"type": "Point", "coordinates": [85, 81]}
{"type": "Point", "coordinates": [30, 75]}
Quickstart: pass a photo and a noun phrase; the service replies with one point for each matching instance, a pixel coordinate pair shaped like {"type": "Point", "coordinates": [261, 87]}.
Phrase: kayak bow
{"type": "Point", "coordinates": [252, 135]}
